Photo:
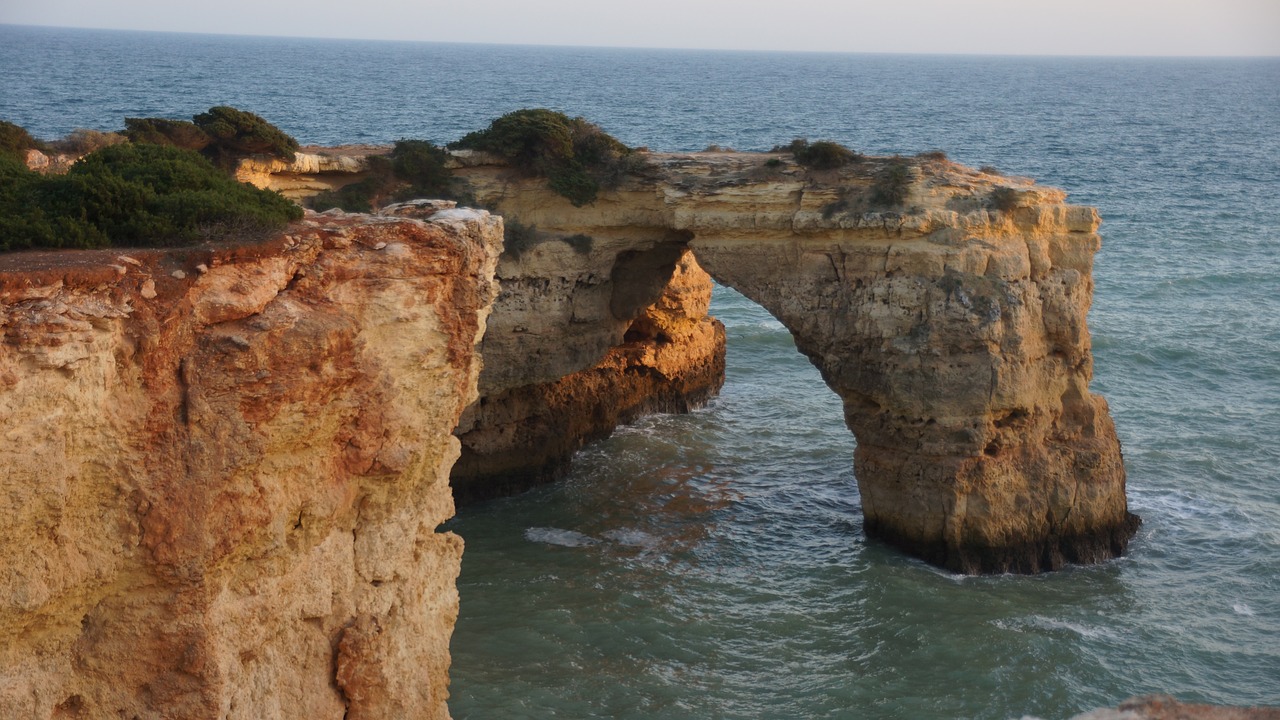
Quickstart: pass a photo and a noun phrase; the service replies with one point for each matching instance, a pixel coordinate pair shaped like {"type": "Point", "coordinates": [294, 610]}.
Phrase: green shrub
{"type": "Point", "coordinates": [159, 131]}
{"type": "Point", "coordinates": [576, 156]}
{"type": "Point", "coordinates": [820, 155]}
{"type": "Point", "coordinates": [15, 141]}
{"type": "Point", "coordinates": [414, 169]}
{"type": "Point", "coordinates": [572, 181]}
{"type": "Point", "coordinates": [890, 186]}
{"type": "Point", "coordinates": [421, 165]}
{"type": "Point", "coordinates": [133, 195]}
{"type": "Point", "coordinates": [358, 197]}
{"type": "Point", "coordinates": [239, 132]}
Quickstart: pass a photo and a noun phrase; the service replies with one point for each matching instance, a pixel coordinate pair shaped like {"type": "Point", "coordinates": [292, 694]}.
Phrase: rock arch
{"type": "Point", "coordinates": [954, 333]}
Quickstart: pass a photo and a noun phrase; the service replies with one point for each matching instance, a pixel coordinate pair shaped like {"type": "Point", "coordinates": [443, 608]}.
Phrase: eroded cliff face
{"type": "Point", "coordinates": [954, 332]}
{"type": "Point", "coordinates": [224, 470]}
{"type": "Point", "coordinates": [669, 359]}
{"type": "Point", "coordinates": [953, 326]}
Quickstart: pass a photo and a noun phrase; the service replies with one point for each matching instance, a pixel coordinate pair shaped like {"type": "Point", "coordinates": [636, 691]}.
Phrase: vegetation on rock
{"type": "Point", "coordinates": [15, 141]}
{"type": "Point", "coordinates": [239, 132]}
{"type": "Point", "coordinates": [414, 169]}
{"type": "Point", "coordinates": [576, 157]}
{"type": "Point", "coordinates": [82, 141]}
{"type": "Point", "coordinates": [820, 155]}
{"type": "Point", "coordinates": [132, 195]}
{"type": "Point", "coordinates": [159, 131]}
{"type": "Point", "coordinates": [519, 238]}
{"type": "Point", "coordinates": [890, 186]}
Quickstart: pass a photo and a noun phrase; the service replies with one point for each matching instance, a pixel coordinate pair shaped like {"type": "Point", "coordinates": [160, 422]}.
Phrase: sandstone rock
{"type": "Point", "coordinates": [954, 332]}
{"type": "Point", "coordinates": [307, 175]}
{"type": "Point", "coordinates": [223, 502]}
{"type": "Point", "coordinates": [953, 328]}
{"type": "Point", "coordinates": [670, 359]}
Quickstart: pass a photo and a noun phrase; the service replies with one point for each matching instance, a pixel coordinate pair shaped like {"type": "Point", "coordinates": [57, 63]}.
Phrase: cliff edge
{"type": "Point", "coordinates": [224, 469]}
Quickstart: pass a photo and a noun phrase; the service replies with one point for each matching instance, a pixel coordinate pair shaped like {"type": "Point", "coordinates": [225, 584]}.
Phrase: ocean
{"type": "Point", "coordinates": [712, 565]}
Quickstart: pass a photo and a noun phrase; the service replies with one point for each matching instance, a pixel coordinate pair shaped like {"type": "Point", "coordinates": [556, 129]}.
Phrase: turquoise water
{"type": "Point", "coordinates": [712, 565]}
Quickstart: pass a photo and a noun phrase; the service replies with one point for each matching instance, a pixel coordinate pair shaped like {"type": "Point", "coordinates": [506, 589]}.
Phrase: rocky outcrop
{"type": "Point", "coordinates": [670, 359]}
{"type": "Point", "coordinates": [952, 325]}
{"type": "Point", "coordinates": [309, 173]}
{"type": "Point", "coordinates": [224, 470]}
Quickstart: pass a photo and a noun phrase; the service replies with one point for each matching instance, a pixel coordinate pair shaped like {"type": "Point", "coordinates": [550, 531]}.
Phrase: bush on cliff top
{"type": "Point", "coordinates": [891, 183]}
{"type": "Point", "coordinates": [223, 134]}
{"type": "Point", "coordinates": [414, 169]}
{"type": "Point", "coordinates": [820, 155]}
{"type": "Point", "coordinates": [240, 132]}
{"type": "Point", "coordinates": [133, 195]}
{"type": "Point", "coordinates": [15, 141]}
{"type": "Point", "coordinates": [576, 157]}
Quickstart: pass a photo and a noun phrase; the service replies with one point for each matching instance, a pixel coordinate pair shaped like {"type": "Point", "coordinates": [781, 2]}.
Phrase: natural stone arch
{"type": "Point", "coordinates": [963, 366]}
{"type": "Point", "coordinates": [953, 327]}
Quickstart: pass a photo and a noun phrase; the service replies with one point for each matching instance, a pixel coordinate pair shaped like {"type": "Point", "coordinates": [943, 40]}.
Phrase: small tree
{"type": "Point", "coordinates": [239, 132]}
{"type": "Point", "coordinates": [576, 156]}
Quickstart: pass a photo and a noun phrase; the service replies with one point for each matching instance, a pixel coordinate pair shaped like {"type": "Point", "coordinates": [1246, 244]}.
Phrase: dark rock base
{"type": "Point", "coordinates": [1026, 558]}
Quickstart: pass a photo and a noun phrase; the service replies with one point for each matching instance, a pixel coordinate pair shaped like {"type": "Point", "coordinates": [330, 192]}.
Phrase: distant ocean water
{"type": "Point", "coordinates": [712, 565]}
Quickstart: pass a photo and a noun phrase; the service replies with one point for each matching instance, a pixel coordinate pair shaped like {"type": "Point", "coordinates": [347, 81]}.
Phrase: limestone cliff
{"type": "Point", "coordinates": [669, 359]}
{"type": "Point", "coordinates": [952, 325]}
{"type": "Point", "coordinates": [224, 469]}
{"type": "Point", "coordinates": [312, 170]}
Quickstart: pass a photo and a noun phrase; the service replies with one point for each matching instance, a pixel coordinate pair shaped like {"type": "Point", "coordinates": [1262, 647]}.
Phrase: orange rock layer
{"type": "Point", "coordinates": [224, 469]}
{"type": "Point", "coordinates": [671, 360]}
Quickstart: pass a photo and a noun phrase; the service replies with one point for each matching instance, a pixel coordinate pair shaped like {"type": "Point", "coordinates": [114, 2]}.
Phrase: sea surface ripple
{"type": "Point", "coordinates": [712, 565]}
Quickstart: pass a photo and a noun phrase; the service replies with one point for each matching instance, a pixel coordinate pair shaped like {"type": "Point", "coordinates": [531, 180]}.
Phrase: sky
{"type": "Point", "coordinates": [1020, 27]}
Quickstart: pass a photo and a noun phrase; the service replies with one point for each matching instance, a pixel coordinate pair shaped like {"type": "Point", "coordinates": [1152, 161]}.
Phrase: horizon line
{"type": "Point", "coordinates": [649, 47]}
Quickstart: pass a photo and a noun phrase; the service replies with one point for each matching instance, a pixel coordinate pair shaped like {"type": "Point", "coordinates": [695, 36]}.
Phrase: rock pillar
{"type": "Point", "coordinates": [960, 349]}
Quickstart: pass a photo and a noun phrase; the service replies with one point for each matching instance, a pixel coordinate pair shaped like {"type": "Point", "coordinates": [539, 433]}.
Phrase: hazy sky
{"type": "Point", "coordinates": [1053, 27]}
